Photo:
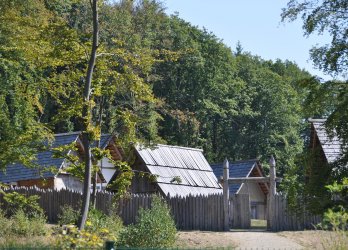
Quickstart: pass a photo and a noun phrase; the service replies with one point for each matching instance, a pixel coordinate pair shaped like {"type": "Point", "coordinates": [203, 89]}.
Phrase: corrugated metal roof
{"type": "Point", "coordinates": [236, 169]}
{"type": "Point", "coordinates": [18, 172]}
{"type": "Point", "coordinates": [189, 164]}
{"type": "Point", "coordinates": [332, 147]}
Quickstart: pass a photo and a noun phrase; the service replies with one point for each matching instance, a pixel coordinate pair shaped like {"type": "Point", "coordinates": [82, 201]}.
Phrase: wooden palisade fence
{"type": "Point", "coordinates": [279, 217]}
{"type": "Point", "coordinates": [212, 213]}
{"type": "Point", "coordinates": [190, 213]}
{"type": "Point", "coordinates": [284, 220]}
{"type": "Point", "coordinates": [239, 211]}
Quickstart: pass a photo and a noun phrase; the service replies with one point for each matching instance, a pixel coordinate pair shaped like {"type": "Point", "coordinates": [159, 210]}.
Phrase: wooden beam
{"type": "Point", "coordinates": [248, 180]}
{"type": "Point", "coordinates": [271, 195]}
{"type": "Point", "coordinates": [226, 194]}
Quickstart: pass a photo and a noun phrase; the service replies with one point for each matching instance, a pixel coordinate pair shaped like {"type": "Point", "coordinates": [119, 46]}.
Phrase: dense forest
{"type": "Point", "coordinates": [157, 78]}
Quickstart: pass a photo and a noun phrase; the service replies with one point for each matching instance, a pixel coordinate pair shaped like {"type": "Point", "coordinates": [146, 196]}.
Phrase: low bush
{"type": "Point", "coordinates": [98, 229]}
{"type": "Point", "coordinates": [68, 215]}
{"type": "Point", "coordinates": [14, 202]}
{"type": "Point", "coordinates": [335, 221]}
{"type": "Point", "coordinates": [155, 228]}
{"type": "Point", "coordinates": [98, 220]}
{"type": "Point", "coordinates": [5, 224]}
{"type": "Point", "coordinates": [23, 225]}
{"type": "Point", "coordinates": [20, 225]}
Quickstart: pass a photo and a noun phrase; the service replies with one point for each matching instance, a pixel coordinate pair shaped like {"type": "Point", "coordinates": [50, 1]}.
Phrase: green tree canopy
{"type": "Point", "coordinates": [321, 17]}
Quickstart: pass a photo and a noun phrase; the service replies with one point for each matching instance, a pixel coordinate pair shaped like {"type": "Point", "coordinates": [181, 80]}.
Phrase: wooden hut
{"type": "Point", "coordinates": [327, 149]}
{"type": "Point", "coordinates": [257, 191]}
{"type": "Point", "coordinates": [179, 171]}
{"type": "Point", "coordinates": [51, 172]}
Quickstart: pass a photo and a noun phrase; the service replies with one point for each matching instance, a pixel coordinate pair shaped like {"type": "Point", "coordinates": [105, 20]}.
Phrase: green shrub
{"type": "Point", "coordinates": [5, 224]}
{"type": "Point", "coordinates": [335, 220]}
{"type": "Point", "coordinates": [23, 225]}
{"type": "Point", "coordinates": [98, 229]}
{"type": "Point", "coordinates": [68, 215]}
{"type": "Point", "coordinates": [15, 201]}
{"type": "Point", "coordinates": [98, 221]}
{"type": "Point", "coordinates": [154, 227]}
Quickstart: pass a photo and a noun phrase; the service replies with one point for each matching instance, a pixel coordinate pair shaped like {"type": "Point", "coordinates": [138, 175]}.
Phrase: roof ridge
{"type": "Point", "coordinates": [317, 119]}
{"type": "Point", "coordinates": [68, 133]}
{"type": "Point", "coordinates": [248, 160]}
{"type": "Point", "coordinates": [174, 146]}
{"type": "Point", "coordinates": [79, 132]}
{"type": "Point", "coordinates": [240, 161]}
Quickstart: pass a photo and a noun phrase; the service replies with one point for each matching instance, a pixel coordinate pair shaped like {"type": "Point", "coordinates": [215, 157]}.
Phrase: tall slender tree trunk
{"type": "Point", "coordinates": [86, 115]}
{"type": "Point", "coordinates": [95, 177]}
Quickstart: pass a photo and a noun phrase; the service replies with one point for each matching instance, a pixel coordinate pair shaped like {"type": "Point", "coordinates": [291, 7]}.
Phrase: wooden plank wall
{"type": "Point", "coordinates": [240, 211]}
{"type": "Point", "coordinates": [198, 212]}
{"type": "Point", "coordinates": [190, 213]}
{"type": "Point", "coordinates": [285, 220]}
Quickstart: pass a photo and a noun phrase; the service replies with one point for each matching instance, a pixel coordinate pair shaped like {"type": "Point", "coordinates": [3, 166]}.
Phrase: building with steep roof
{"type": "Point", "coordinates": [179, 171]}
{"type": "Point", "coordinates": [257, 191]}
{"type": "Point", "coordinates": [50, 171]}
{"type": "Point", "coordinates": [330, 147]}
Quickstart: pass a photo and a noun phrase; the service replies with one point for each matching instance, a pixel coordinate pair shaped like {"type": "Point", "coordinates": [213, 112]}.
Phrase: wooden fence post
{"type": "Point", "coordinates": [226, 195]}
{"type": "Point", "coordinates": [272, 193]}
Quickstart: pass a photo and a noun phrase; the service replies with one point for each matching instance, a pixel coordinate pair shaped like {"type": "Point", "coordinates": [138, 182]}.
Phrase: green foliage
{"type": "Point", "coordinates": [68, 215]}
{"type": "Point", "coordinates": [99, 220]}
{"type": "Point", "coordinates": [339, 194]}
{"type": "Point", "coordinates": [5, 224]}
{"type": "Point", "coordinates": [28, 226]}
{"type": "Point", "coordinates": [15, 202]}
{"type": "Point", "coordinates": [324, 17]}
{"type": "Point", "coordinates": [328, 99]}
{"type": "Point", "coordinates": [123, 179]}
{"type": "Point", "coordinates": [99, 228]}
{"type": "Point", "coordinates": [21, 225]}
{"type": "Point", "coordinates": [72, 238]}
{"type": "Point", "coordinates": [155, 228]}
{"type": "Point", "coordinates": [23, 53]}
{"type": "Point", "coordinates": [336, 220]}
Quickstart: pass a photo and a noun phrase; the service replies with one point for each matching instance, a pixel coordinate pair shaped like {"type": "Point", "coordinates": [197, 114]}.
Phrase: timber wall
{"type": "Point", "coordinates": [190, 213]}
{"type": "Point", "coordinates": [285, 220]}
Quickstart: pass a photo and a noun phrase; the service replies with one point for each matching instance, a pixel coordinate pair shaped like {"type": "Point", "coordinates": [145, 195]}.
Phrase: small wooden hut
{"type": "Point", "coordinates": [257, 191]}
{"type": "Point", "coordinates": [179, 171]}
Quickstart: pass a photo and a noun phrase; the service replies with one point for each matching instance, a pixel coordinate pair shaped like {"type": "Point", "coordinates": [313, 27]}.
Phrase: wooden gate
{"type": "Point", "coordinates": [240, 211]}
{"type": "Point", "coordinates": [270, 201]}
{"type": "Point", "coordinates": [279, 217]}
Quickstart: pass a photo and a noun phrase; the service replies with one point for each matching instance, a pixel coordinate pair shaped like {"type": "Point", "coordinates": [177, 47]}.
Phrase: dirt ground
{"type": "Point", "coordinates": [261, 240]}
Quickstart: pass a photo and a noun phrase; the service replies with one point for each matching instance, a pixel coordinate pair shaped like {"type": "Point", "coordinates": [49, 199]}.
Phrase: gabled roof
{"type": "Point", "coordinates": [188, 164]}
{"type": "Point", "coordinates": [239, 169]}
{"type": "Point", "coordinates": [332, 147]}
{"type": "Point", "coordinates": [18, 172]}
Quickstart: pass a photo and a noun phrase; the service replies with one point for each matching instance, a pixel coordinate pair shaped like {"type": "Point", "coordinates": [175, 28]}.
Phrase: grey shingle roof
{"type": "Point", "coordinates": [332, 147]}
{"type": "Point", "coordinates": [189, 164]}
{"type": "Point", "coordinates": [236, 169]}
{"type": "Point", "coordinates": [18, 172]}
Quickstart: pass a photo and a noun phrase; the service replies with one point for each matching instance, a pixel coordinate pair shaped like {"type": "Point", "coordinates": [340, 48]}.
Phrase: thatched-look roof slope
{"type": "Point", "coordinates": [187, 164]}
{"type": "Point", "coordinates": [332, 146]}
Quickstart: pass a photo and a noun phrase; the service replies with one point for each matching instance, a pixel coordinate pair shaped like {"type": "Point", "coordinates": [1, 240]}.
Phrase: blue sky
{"type": "Point", "coordinates": [255, 23]}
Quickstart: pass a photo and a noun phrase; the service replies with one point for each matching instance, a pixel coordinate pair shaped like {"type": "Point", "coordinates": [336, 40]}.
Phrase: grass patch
{"type": "Point", "coordinates": [259, 224]}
